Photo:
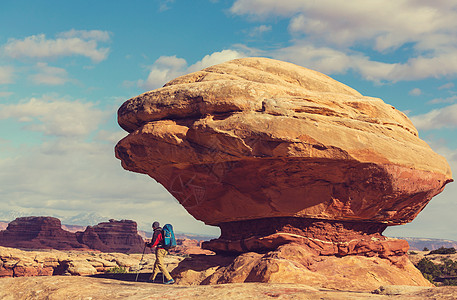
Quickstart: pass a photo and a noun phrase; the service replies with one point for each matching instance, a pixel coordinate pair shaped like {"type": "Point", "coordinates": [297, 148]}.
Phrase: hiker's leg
{"type": "Point", "coordinates": [160, 256]}
{"type": "Point", "coordinates": [156, 269]}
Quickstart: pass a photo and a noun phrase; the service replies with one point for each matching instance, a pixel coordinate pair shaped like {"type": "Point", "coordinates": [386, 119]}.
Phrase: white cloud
{"type": "Point", "coordinates": [84, 43]}
{"type": "Point", "coordinates": [214, 59]}
{"type": "Point", "coordinates": [337, 28]}
{"type": "Point", "coordinates": [64, 176]}
{"type": "Point", "coordinates": [451, 99]}
{"type": "Point", "coordinates": [49, 75]}
{"type": "Point", "coordinates": [259, 30]}
{"type": "Point", "coordinates": [55, 117]}
{"type": "Point", "coordinates": [323, 59]}
{"type": "Point", "coordinates": [415, 92]}
{"type": "Point", "coordinates": [6, 94]}
{"type": "Point", "coordinates": [97, 35]}
{"type": "Point", "coordinates": [6, 74]}
{"type": "Point", "coordinates": [332, 61]}
{"type": "Point", "coordinates": [165, 5]}
{"type": "Point", "coordinates": [385, 24]}
{"type": "Point", "coordinates": [446, 86]}
{"type": "Point", "coordinates": [445, 117]}
{"type": "Point", "coordinates": [166, 68]}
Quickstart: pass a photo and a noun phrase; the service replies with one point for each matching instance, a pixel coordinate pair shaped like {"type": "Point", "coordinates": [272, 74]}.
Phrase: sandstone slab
{"type": "Point", "coordinates": [72, 287]}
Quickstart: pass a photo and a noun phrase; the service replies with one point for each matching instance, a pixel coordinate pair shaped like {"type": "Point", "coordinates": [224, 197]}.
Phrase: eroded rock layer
{"type": "Point", "coordinates": [47, 233]}
{"type": "Point", "coordinates": [319, 237]}
{"type": "Point", "coordinates": [113, 236]}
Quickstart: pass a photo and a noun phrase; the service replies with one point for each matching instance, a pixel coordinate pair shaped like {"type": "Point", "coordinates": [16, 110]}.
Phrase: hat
{"type": "Point", "coordinates": [155, 224]}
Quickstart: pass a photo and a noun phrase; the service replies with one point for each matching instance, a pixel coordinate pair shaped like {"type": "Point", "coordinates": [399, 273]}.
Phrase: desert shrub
{"type": "Point", "coordinates": [426, 266]}
{"type": "Point", "coordinates": [450, 282]}
{"type": "Point", "coordinates": [437, 272]}
{"type": "Point", "coordinates": [117, 270]}
{"type": "Point", "coordinates": [443, 250]}
{"type": "Point", "coordinates": [412, 253]}
{"type": "Point", "coordinates": [449, 267]}
{"type": "Point", "coordinates": [425, 249]}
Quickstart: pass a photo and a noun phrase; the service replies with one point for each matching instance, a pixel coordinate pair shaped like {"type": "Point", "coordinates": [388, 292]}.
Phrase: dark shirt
{"type": "Point", "coordinates": [157, 239]}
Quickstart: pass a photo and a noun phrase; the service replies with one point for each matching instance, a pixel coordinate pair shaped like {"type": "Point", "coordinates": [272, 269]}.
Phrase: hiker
{"type": "Point", "coordinates": [161, 251]}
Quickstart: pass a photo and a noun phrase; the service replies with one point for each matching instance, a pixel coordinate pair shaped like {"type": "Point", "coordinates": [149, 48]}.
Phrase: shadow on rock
{"type": "Point", "coordinates": [131, 277]}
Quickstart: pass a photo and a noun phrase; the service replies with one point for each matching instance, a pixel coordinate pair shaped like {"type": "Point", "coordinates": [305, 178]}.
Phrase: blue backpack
{"type": "Point", "coordinates": [169, 240]}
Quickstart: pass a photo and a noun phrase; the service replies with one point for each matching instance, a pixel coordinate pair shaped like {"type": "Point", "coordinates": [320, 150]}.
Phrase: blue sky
{"type": "Point", "coordinates": [66, 66]}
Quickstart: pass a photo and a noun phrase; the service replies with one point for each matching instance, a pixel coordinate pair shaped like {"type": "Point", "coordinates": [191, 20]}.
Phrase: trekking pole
{"type": "Point", "coordinates": [140, 267]}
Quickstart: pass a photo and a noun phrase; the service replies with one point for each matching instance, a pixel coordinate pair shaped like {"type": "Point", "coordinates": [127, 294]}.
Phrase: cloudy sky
{"type": "Point", "coordinates": [66, 66]}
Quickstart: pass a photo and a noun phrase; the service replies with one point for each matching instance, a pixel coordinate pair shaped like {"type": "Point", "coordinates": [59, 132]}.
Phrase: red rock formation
{"type": "Point", "coordinates": [292, 263]}
{"type": "Point", "coordinates": [113, 236]}
{"type": "Point", "coordinates": [258, 138]}
{"type": "Point", "coordinates": [38, 233]}
{"type": "Point", "coordinates": [274, 153]}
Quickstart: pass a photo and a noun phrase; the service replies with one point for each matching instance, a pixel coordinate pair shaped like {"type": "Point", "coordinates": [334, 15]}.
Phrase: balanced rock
{"type": "Point", "coordinates": [275, 153]}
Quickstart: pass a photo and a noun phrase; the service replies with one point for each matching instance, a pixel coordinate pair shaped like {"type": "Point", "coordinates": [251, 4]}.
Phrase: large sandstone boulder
{"type": "Point", "coordinates": [259, 138]}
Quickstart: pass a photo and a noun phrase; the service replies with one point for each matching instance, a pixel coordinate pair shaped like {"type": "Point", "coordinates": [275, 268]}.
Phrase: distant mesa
{"type": "Point", "coordinates": [47, 233]}
{"type": "Point", "coordinates": [113, 236]}
{"type": "Point", "coordinates": [277, 154]}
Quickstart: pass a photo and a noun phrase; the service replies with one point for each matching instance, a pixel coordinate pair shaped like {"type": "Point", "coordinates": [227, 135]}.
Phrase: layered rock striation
{"type": "Point", "coordinates": [113, 236]}
{"type": "Point", "coordinates": [47, 233]}
{"type": "Point", "coordinates": [274, 153]}
{"type": "Point", "coordinates": [38, 233]}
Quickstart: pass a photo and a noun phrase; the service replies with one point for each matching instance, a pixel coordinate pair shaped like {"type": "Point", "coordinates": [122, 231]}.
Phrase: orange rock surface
{"type": "Point", "coordinates": [293, 263]}
{"type": "Point", "coordinates": [259, 138]}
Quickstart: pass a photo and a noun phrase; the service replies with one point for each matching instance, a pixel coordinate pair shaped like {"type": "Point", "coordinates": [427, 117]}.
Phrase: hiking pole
{"type": "Point", "coordinates": [140, 267]}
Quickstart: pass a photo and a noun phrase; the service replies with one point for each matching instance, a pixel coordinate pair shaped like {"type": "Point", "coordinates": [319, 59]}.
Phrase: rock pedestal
{"type": "Point", "coordinates": [274, 153]}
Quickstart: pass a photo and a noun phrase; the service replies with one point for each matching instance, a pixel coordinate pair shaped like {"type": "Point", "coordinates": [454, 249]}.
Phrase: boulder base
{"type": "Point", "coordinates": [321, 237]}
{"type": "Point", "coordinates": [292, 263]}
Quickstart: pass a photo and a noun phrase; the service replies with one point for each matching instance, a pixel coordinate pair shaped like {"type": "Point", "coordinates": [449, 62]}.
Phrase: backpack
{"type": "Point", "coordinates": [169, 240]}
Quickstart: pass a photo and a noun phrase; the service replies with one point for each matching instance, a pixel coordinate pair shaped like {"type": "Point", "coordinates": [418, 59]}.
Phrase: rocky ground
{"type": "Point", "coordinates": [82, 287]}
{"type": "Point", "coordinates": [19, 263]}
{"type": "Point", "coordinates": [92, 283]}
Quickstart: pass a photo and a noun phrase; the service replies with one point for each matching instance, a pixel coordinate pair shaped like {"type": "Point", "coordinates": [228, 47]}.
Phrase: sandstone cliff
{"type": "Point", "coordinates": [113, 236]}
{"type": "Point", "coordinates": [47, 233]}
{"type": "Point", "coordinates": [38, 233]}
